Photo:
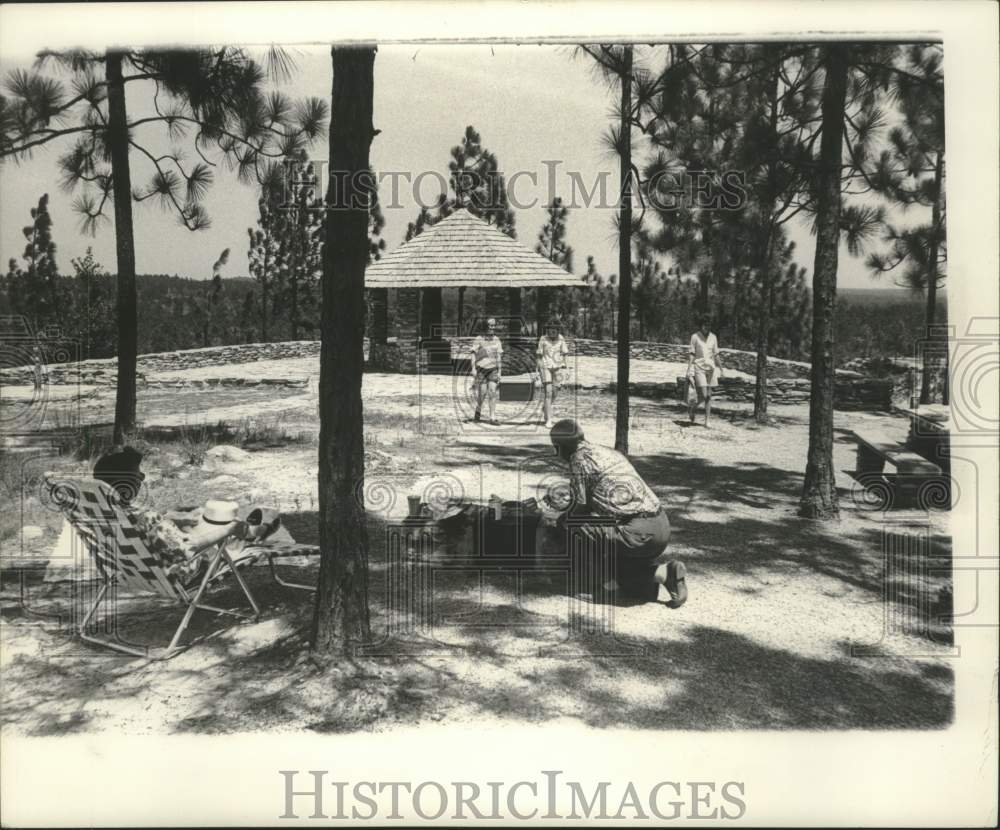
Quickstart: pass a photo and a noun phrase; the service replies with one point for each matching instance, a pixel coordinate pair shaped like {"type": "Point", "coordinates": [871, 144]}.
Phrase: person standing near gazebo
{"type": "Point", "coordinates": [551, 356]}
{"type": "Point", "coordinates": [487, 356]}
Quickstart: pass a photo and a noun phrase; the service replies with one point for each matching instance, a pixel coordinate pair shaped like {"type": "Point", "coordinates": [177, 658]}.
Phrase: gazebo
{"type": "Point", "coordinates": [459, 252]}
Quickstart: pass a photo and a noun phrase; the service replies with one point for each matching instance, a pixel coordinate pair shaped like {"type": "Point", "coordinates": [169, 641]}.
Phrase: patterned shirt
{"type": "Point", "coordinates": [606, 483]}
{"type": "Point", "coordinates": [168, 542]}
{"type": "Point", "coordinates": [552, 353]}
{"type": "Point", "coordinates": [487, 351]}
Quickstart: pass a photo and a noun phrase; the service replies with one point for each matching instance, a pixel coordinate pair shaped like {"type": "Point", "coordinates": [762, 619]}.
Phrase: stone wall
{"type": "Point", "coordinates": [105, 372]}
{"type": "Point", "coordinates": [905, 373]}
{"type": "Point", "coordinates": [789, 380]}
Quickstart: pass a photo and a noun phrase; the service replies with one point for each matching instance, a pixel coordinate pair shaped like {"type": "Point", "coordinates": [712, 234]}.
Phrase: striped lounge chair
{"type": "Point", "coordinates": [124, 561]}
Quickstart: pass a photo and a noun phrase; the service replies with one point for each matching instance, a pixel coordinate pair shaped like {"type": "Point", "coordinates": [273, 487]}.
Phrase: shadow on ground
{"type": "Point", "coordinates": [479, 655]}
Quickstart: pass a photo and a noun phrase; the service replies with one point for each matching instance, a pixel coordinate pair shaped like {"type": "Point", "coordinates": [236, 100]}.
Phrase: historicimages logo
{"type": "Point", "coordinates": [315, 794]}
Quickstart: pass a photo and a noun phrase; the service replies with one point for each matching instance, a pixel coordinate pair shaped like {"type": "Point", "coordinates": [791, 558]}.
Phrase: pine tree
{"type": "Point", "coordinates": [911, 172]}
{"type": "Point", "coordinates": [476, 184]}
{"type": "Point", "coordinates": [300, 245]}
{"type": "Point", "coordinates": [552, 245]}
{"type": "Point", "coordinates": [617, 63]}
{"type": "Point", "coordinates": [215, 92]}
{"type": "Point", "coordinates": [552, 237]}
{"type": "Point", "coordinates": [819, 490]}
{"type": "Point", "coordinates": [341, 618]}
{"type": "Point", "coordinates": [212, 298]}
{"type": "Point", "coordinates": [33, 290]}
{"type": "Point", "coordinates": [265, 244]}
{"type": "Point", "coordinates": [649, 281]}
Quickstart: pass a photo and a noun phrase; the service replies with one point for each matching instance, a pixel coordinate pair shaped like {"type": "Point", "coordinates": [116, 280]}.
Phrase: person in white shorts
{"type": "Point", "coordinates": [704, 368]}
{"type": "Point", "coordinates": [487, 356]}
{"type": "Point", "coordinates": [551, 356]}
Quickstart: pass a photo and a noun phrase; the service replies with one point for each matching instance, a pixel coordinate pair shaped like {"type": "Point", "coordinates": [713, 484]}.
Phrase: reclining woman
{"type": "Point", "coordinates": [178, 549]}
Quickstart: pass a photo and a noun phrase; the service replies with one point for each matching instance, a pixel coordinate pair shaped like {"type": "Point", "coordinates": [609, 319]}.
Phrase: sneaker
{"type": "Point", "coordinates": [495, 422]}
{"type": "Point", "coordinates": [676, 583]}
{"type": "Point", "coordinates": [549, 424]}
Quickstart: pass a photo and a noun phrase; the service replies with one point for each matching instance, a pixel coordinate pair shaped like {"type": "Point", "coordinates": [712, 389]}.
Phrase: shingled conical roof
{"type": "Point", "coordinates": [464, 250]}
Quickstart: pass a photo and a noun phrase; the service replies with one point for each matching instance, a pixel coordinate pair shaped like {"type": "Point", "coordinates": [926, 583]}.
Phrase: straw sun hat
{"type": "Point", "coordinates": [217, 521]}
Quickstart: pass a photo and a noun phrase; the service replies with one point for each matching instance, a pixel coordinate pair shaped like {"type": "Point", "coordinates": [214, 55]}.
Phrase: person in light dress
{"type": "Point", "coordinates": [704, 369]}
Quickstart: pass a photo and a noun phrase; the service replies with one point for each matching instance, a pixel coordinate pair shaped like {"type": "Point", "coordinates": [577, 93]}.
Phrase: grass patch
{"type": "Point", "coordinates": [267, 432]}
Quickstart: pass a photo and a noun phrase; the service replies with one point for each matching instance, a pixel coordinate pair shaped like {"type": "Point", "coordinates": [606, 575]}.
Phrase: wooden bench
{"type": "Point", "coordinates": [877, 448]}
{"type": "Point", "coordinates": [913, 477]}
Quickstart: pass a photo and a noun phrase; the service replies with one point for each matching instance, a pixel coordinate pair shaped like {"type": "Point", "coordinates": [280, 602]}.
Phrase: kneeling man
{"type": "Point", "coordinates": [614, 506]}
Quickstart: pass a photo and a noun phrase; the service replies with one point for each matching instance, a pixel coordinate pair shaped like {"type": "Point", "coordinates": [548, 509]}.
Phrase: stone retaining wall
{"type": "Point", "coordinates": [105, 372]}
{"type": "Point", "coordinates": [202, 383]}
{"type": "Point", "coordinates": [788, 379]}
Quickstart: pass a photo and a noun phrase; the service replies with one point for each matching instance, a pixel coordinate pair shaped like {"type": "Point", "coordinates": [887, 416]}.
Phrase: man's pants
{"type": "Point", "coordinates": [637, 545]}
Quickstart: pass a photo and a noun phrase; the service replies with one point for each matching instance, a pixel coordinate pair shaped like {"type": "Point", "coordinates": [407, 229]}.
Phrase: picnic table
{"type": "Point", "coordinates": [919, 463]}
{"type": "Point", "coordinates": [930, 432]}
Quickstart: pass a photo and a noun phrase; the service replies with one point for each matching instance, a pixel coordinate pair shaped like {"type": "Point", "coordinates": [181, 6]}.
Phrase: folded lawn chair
{"type": "Point", "coordinates": [123, 559]}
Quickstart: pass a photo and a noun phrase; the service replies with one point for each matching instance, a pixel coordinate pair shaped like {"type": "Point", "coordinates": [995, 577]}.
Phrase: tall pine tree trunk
{"type": "Point", "coordinates": [128, 334]}
{"type": "Point", "coordinates": [703, 295]}
{"type": "Point", "coordinates": [764, 333]}
{"type": "Point", "coordinates": [624, 256]}
{"type": "Point", "coordinates": [294, 277]}
{"type": "Point", "coordinates": [263, 301]}
{"type": "Point", "coordinates": [819, 491]}
{"type": "Point", "coordinates": [767, 290]}
{"type": "Point", "coordinates": [932, 356]}
{"type": "Point", "coordinates": [341, 613]}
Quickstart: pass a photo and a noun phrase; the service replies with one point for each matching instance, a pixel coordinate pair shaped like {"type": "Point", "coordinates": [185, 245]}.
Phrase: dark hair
{"type": "Point", "coordinates": [704, 319]}
{"type": "Point", "coordinates": [566, 436]}
{"type": "Point", "coordinates": [119, 469]}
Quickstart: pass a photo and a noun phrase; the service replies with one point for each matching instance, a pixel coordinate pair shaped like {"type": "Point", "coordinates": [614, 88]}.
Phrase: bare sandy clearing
{"type": "Point", "coordinates": [769, 639]}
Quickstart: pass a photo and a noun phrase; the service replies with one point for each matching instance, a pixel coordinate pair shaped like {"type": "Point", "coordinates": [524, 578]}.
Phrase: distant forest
{"type": "Point", "coordinates": [181, 313]}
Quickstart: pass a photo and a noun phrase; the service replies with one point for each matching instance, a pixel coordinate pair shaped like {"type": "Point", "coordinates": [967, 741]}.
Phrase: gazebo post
{"type": "Point", "coordinates": [543, 302]}
{"type": "Point", "coordinates": [408, 328]}
{"type": "Point", "coordinates": [431, 304]}
{"type": "Point", "coordinates": [436, 351]}
{"type": "Point", "coordinates": [516, 308]}
{"type": "Point", "coordinates": [461, 310]}
{"type": "Point", "coordinates": [378, 326]}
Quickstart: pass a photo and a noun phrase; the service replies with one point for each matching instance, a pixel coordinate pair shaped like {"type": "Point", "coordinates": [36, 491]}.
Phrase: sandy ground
{"type": "Point", "coordinates": [791, 623]}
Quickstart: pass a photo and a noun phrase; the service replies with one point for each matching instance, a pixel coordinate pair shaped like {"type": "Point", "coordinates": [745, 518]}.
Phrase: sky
{"type": "Point", "coordinates": [539, 109]}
